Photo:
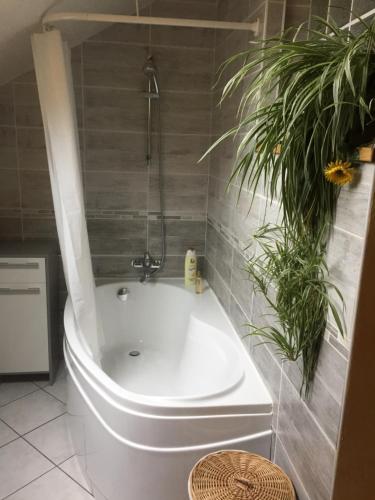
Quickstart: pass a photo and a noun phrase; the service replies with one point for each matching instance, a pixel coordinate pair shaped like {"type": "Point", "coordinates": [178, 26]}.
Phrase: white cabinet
{"type": "Point", "coordinates": [23, 313]}
{"type": "Point", "coordinates": [26, 323]}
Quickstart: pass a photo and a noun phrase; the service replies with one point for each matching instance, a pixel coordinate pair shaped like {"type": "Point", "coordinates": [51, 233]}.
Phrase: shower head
{"type": "Point", "coordinates": [149, 68]}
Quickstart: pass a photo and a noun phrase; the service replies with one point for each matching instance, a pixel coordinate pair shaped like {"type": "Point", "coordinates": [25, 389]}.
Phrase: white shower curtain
{"type": "Point", "coordinates": [56, 95]}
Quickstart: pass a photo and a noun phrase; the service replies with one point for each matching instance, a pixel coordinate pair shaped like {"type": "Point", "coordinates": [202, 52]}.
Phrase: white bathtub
{"type": "Point", "coordinates": [139, 423]}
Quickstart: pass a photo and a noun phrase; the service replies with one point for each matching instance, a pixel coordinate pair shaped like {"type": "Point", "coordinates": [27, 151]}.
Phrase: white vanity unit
{"type": "Point", "coordinates": [28, 308]}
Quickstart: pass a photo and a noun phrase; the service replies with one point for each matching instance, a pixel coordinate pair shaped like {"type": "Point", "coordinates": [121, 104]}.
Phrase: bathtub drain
{"type": "Point", "coordinates": [134, 353]}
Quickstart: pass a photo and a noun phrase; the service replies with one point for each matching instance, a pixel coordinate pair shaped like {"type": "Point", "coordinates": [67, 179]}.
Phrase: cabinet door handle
{"type": "Point", "coordinates": [19, 265]}
{"type": "Point", "coordinates": [19, 291]}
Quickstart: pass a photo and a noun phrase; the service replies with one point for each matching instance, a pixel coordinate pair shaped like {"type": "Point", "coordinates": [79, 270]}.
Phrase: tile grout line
{"type": "Point", "coordinates": [55, 465]}
{"type": "Point", "coordinates": [21, 397]}
{"type": "Point", "coordinates": [31, 430]}
{"type": "Point", "coordinates": [42, 425]}
{"type": "Point", "coordinates": [70, 477]}
{"type": "Point", "coordinates": [27, 484]}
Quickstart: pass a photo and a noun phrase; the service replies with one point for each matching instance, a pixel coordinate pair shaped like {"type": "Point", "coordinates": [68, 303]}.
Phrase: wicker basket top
{"type": "Point", "coordinates": [238, 475]}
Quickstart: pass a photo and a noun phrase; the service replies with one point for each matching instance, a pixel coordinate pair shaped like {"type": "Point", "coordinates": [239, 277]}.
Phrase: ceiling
{"type": "Point", "coordinates": [20, 18]}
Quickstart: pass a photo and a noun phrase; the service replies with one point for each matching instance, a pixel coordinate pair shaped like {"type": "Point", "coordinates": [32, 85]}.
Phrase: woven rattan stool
{"type": "Point", "coordinates": [238, 475]}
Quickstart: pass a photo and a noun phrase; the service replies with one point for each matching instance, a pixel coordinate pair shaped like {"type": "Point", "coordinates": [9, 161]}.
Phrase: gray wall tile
{"type": "Point", "coordinates": [27, 106]}
{"type": "Point", "coordinates": [187, 9]}
{"type": "Point", "coordinates": [332, 368]}
{"type": "Point", "coordinates": [9, 192]}
{"type": "Point", "coordinates": [180, 235]}
{"type": "Point", "coordinates": [269, 368]}
{"type": "Point", "coordinates": [116, 228]}
{"type": "Point", "coordinates": [224, 259]}
{"type": "Point", "coordinates": [362, 6]}
{"type": "Point", "coordinates": [240, 321]}
{"type": "Point", "coordinates": [116, 192]}
{"type": "Point", "coordinates": [321, 401]}
{"type": "Point", "coordinates": [233, 11]}
{"type": "Point", "coordinates": [115, 151]}
{"type": "Point", "coordinates": [6, 105]}
{"type": "Point", "coordinates": [353, 202]}
{"type": "Point", "coordinates": [32, 153]}
{"type": "Point", "coordinates": [113, 267]}
{"type": "Point", "coordinates": [117, 237]}
{"type": "Point", "coordinates": [10, 228]}
{"type": "Point", "coordinates": [111, 109]}
{"type": "Point", "coordinates": [185, 113]}
{"type": "Point", "coordinates": [184, 68]}
{"type": "Point", "coordinates": [8, 149]}
{"type": "Point", "coordinates": [182, 37]}
{"type": "Point", "coordinates": [241, 286]}
{"type": "Point", "coordinates": [320, 8]}
{"type": "Point", "coordinates": [181, 153]}
{"type": "Point", "coordinates": [114, 65]}
{"type": "Point", "coordinates": [340, 13]}
{"type": "Point", "coordinates": [276, 10]}
{"type": "Point", "coordinates": [125, 33]}
{"type": "Point", "coordinates": [39, 227]}
{"type": "Point", "coordinates": [282, 460]}
{"type": "Point", "coordinates": [182, 193]}
{"type": "Point", "coordinates": [304, 441]}
{"type": "Point", "coordinates": [36, 189]}
{"type": "Point", "coordinates": [245, 219]}
{"type": "Point", "coordinates": [218, 285]}
{"type": "Point", "coordinates": [345, 248]}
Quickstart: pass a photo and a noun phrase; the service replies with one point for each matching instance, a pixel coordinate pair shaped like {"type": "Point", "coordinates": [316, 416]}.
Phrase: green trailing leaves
{"type": "Point", "coordinates": [290, 271]}
{"type": "Point", "coordinates": [307, 94]}
{"type": "Point", "coordinates": [323, 94]}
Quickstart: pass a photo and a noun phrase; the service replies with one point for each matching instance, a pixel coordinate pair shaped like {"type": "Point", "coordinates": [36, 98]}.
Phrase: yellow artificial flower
{"type": "Point", "coordinates": [339, 172]}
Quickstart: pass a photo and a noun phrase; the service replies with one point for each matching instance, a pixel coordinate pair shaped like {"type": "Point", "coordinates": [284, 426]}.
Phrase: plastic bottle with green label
{"type": "Point", "coordinates": [190, 268]}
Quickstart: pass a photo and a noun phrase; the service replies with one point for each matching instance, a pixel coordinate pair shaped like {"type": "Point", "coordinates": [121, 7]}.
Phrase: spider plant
{"type": "Point", "coordinates": [311, 95]}
{"type": "Point", "coordinates": [290, 271]}
{"type": "Point", "coordinates": [306, 95]}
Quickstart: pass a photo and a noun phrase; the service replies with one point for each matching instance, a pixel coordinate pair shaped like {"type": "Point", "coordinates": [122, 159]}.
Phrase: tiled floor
{"type": "Point", "coordinates": [36, 457]}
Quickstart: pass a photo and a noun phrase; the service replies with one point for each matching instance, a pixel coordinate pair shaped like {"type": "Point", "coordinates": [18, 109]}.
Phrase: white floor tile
{"type": "Point", "coordinates": [59, 388]}
{"type": "Point", "coordinates": [9, 391]}
{"type": "Point", "coordinates": [6, 434]}
{"type": "Point", "coordinates": [53, 440]}
{"type": "Point", "coordinates": [73, 469]}
{"type": "Point", "coordinates": [20, 463]}
{"type": "Point", "coordinates": [31, 411]}
{"type": "Point", "coordinates": [55, 485]}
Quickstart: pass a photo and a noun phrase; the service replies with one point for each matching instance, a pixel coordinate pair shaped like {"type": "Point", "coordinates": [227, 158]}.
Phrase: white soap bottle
{"type": "Point", "coordinates": [190, 268]}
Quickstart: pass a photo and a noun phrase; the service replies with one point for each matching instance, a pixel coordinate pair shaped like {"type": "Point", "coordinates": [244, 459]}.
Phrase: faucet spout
{"type": "Point", "coordinates": [147, 264]}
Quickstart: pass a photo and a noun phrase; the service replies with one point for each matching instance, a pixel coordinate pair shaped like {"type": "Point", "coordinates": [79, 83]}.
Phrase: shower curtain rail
{"type": "Point", "coordinates": [53, 17]}
{"type": "Point", "coordinates": [355, 20]}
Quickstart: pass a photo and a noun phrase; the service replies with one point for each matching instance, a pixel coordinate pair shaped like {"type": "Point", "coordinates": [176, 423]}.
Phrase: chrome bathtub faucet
{"type": "Point", "coordinates": [148, 265]}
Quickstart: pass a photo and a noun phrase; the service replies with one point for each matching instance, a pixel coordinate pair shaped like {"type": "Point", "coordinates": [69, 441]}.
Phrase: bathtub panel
{"type": "Point", "coordinates": [122, 472]}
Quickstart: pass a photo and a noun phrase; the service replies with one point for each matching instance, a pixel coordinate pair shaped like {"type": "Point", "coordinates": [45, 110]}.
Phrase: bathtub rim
{"type": "Point", "coordinates": [156, 405]}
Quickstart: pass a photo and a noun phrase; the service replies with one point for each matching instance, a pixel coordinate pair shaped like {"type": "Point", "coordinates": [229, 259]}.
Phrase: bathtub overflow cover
{"type": "Point", "coordinates": [134, 353]}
